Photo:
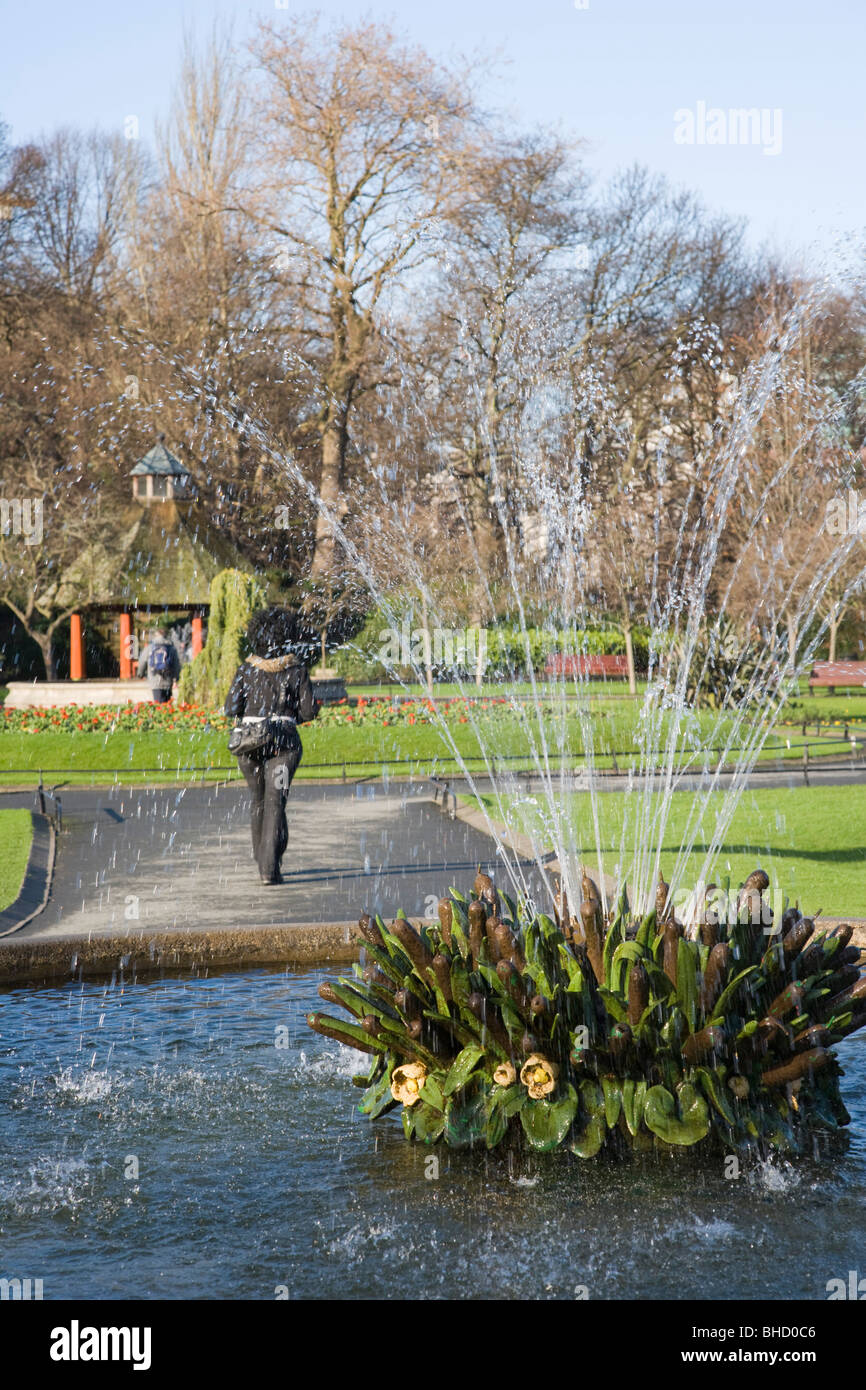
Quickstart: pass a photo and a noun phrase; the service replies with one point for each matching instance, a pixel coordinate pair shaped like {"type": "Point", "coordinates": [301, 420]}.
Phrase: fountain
{"type": "Point", "coordinates": [608, 989]}
{"type": "Point", "coordinates": [584, 1002]}
{"type": "Point", "coordinates": [637, 1013]}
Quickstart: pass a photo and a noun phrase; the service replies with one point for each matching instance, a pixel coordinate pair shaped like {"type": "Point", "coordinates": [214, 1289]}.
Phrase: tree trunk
{"type": "Point", "coordinates": [488, 542]}
{"type": "Point", "coordinates": [487, 537]}
{"type": "Point", "coordinates": [428, 648]}
{"type": "Point", "coordinates": [835, 622]}
{"type": "Point", "coordinates": [330, 486]}
{"type": "Point", "coordinates": [45, 642]}
{"type": "Point", "coordinates": [629, 655]}
{"type": "Point", "coordinates": [791, 623]}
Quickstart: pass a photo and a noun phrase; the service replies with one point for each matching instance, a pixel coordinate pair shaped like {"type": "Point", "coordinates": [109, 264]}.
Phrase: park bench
{"type": "Point", "coordinates": [829, 674]}
{"type": "Point", "coordinates": [615, 667]}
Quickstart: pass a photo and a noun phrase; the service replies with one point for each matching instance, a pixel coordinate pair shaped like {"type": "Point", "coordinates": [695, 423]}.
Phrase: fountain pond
{"type": "Point", "coordinates": [191, 1137]}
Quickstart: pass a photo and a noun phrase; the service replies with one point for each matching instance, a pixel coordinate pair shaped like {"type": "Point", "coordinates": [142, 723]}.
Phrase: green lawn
{"type": "Point", "coordinates": [16, 833]}
{"type": "Point", "coordinates": [362, 748]}
{"type": "Point", "coordinates": [163, 756]}
{"type": "Point", "coordinates": [810, 840]}
{"type": "Point", "coordinates": [596, 689]}
{"type": "Point", "coordinates": [812, 705]}
{"type": "Point", "coordinates": [823, 707]}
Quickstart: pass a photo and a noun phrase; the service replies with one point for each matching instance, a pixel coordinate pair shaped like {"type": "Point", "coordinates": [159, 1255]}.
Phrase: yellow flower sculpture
{"type": "Point", "coordinates": [406, 1082]}
{"type": "Point", "coordinates": [539, 1076]}
{"type": "Point", "coordinates": [505, 1075]}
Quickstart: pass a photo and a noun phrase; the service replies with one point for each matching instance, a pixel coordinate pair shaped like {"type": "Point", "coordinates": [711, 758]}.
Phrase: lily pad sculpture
{"type": "Point", "coordinates": [597, 1033]}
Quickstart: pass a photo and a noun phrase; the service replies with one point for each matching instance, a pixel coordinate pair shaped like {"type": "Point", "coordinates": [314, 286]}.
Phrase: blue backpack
{"type": "Point", "coordinates": [160, 660]}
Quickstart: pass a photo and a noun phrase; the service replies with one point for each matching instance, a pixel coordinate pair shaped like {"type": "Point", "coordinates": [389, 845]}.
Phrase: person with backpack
{"type": "Point", "coordinates": [160, 663]}
{"type": "Point", "coordinates": [271, 694]}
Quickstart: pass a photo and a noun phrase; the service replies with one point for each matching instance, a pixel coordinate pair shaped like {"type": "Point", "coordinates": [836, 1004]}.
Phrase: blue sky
{"type": "Point", "coordinates": [613, 74]}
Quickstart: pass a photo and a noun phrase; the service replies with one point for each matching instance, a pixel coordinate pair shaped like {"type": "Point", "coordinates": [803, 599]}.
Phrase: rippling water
{"type": "Point", "coordinates": [255, 1172]}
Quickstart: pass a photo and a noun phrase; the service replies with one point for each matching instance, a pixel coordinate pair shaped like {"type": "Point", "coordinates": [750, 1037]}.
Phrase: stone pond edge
{"type": "Point", "coordinates": [36, 960]}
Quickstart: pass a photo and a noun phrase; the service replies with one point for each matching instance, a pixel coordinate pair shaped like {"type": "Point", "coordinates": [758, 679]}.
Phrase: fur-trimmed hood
{"type": "Point", "coordinates": [272, 685]}
{"type": "Point", "coordinates": [273, 663]}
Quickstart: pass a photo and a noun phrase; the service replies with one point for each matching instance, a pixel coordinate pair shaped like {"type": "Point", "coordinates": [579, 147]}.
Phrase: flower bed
{"type": "Point", "coordinates": [375, 712]}
{"type": "Point", "coordinates": [368, 712]}
{"type": "Point", "coordinates": [381, 712]}
{"type": "Point", "coordinates": [109, 719]}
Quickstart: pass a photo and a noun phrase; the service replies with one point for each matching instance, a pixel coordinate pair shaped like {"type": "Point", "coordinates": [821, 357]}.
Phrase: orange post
{"type": "Point", "coordinates": [197, 642]}
{"type": "Point", "coordinates": [125, 647]}
{"type": "Point", "coordinates": [76, 648]}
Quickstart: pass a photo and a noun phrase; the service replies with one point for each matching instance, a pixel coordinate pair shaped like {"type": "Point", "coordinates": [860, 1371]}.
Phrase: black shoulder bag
{"type": "Point", "coordinates": [248, 740]}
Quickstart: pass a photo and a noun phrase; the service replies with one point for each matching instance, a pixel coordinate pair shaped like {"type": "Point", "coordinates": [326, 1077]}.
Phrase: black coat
{"type": "Point", "coordinates": [278, 685]}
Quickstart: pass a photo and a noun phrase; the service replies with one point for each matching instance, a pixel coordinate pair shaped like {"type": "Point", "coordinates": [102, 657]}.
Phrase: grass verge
{"type": "Point", "coordinates": [16, 834]}
{"type": "Point", "coordinates": [182, 755]}
{"type": "Point", "coordinates": [810, 840]}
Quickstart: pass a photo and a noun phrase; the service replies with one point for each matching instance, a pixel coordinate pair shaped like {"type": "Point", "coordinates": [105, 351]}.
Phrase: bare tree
{"type": "Point", "coordinates": [51, 523]}
{"type": "Point", "coordinates": [504, 246]}
{"type": "Point", "coordinates": [81, 188]}
{"type": "Point", "coordinates": [355, 151]}
{"type": "Point", "coordinates": [784, 565]}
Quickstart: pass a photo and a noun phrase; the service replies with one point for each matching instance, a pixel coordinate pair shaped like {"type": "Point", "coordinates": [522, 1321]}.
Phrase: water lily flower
{"type": "Point", "coordinates": [539, 1075]}
{"type": "Point", "coordinates": [505, 1075]}
{"type": "Point", "coordinates": [406, 1082]}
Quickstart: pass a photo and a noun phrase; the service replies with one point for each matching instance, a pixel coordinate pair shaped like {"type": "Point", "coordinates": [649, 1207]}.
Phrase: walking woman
{"type": "Point", "coordinates": [270, 695]}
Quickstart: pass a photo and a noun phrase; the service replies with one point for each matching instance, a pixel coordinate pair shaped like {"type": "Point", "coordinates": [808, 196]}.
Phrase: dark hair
{"type": "Point", "coordinates": [273, 631]}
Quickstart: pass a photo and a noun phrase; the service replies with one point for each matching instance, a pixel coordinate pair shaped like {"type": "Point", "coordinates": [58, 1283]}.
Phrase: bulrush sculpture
{"type": "Point", "coordinates": [600, 1032]}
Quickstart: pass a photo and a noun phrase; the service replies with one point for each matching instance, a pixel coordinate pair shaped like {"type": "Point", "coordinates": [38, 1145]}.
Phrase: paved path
{"type": "Point", "coordinates": [160, 859]}
{"type": "Point", "coordinates": [133, 860]}
{"type": "Point", "coordinates": [832, 773]}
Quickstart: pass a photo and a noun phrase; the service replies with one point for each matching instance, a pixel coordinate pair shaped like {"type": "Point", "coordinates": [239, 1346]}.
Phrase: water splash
{"type": "Point", "coordinates": [674, 548]}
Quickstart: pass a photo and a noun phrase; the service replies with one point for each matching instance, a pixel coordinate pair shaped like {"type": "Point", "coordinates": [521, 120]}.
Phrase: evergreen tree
{"type": "Point", "coordinates": [234, 597]}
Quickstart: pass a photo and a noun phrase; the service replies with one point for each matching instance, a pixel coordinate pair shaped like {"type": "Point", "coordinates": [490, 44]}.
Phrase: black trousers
{"type": "Point", "coordinates": [161, 696]}
{"type": "Point", "coordinates": [269, 780]}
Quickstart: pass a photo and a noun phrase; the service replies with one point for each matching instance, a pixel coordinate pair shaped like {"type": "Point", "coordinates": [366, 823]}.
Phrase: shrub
{"type": "Point", "coordinates": [234, 596]}
{"type": "Point", "coordinates": [721, 670]}
{"type": "Point", "coordinates": [507, 647]}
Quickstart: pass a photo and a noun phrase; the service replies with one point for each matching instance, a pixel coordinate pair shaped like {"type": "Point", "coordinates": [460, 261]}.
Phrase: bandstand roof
{"type": "Point", "coordinates": [159, 460]}
{"type": "Point", "coordinates": [159, 554]}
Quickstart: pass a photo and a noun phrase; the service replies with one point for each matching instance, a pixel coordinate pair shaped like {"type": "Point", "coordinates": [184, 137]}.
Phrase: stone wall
{"type": "Point", "coordinates": [26, 694]}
